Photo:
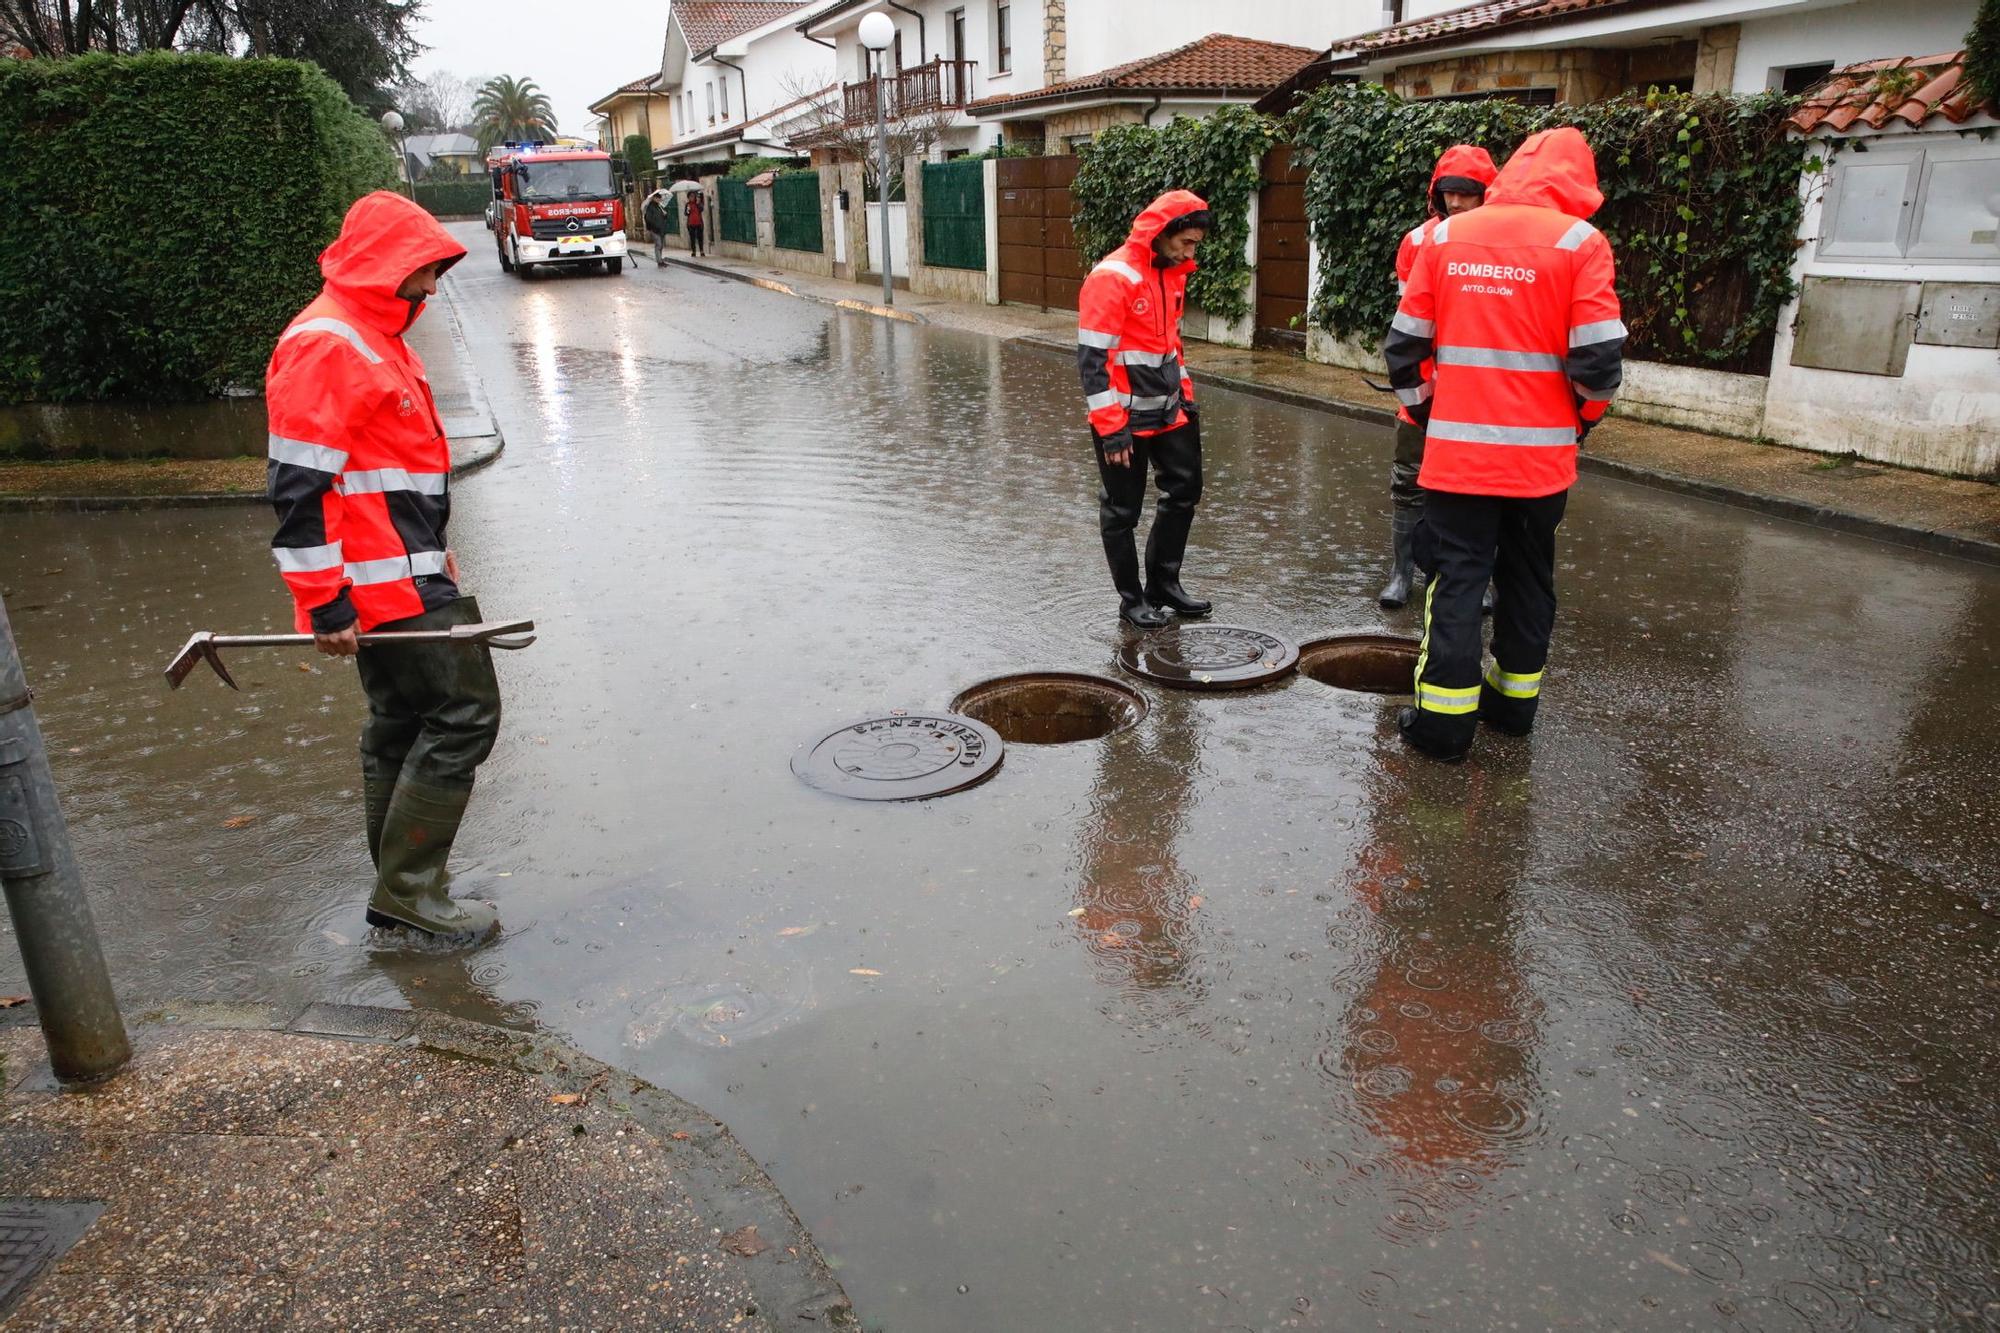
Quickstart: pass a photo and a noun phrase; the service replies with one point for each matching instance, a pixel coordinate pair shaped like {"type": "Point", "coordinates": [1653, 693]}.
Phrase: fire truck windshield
{"type": "Point", "coordinates": [550, 182]}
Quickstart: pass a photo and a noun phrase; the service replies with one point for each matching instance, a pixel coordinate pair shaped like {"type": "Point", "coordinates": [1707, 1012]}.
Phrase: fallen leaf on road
{"type": "Point", "coordinates": [12, 1001]}
{"type": "Point", "coordinates": [239, 821]}
{"type": "Point", "coordinates": [1111, 939]}
{"type": "Point", "coordinates": [864, 972]}
{"type": "Point", "coordinates": [1074, 911]}
{"type": "Point", "coordinates": [746, 1242]}
{"type": "Point", "coordinates": [566, 1098]}
{"type": "Point", "coordinates": [306, 667]}
{"type": "Point", "coordinates": [680, 1136]}
{"type": "Point", "coordinates": [790, 931]}
{"type": "Point", "coordinates": [1194, 901]}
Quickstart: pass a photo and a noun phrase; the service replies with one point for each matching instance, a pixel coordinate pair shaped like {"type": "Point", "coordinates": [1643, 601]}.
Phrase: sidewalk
{"type": "Point", "coordinates": [349, 1167]}
{"type": "Point", "coordinates": [168, 483]}
{"type": "Point", "coordinates": [1944, 514]}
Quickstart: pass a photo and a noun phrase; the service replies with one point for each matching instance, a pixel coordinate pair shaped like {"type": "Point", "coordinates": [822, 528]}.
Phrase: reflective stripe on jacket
{"type": "Point", "coordinates": [1128, 337]}
{"type": "Point", "coordinates": [1515, 304]}
{"type": "Point", "coordinates": [360, 469]}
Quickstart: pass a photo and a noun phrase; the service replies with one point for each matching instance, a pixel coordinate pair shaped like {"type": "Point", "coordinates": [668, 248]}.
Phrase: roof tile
{"type": "Point", "coordinates": [1465, 22]}
{"type": "Point", "coordinates": [707, 23]}
{"type": "Point", "coordinates": [1218, 62]}
{"type": "Point", "coordinates": [1910, 90]}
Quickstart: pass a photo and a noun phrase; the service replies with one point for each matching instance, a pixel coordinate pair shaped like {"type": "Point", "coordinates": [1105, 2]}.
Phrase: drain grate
{"type": "Point", "coordinates": [1209, 657]}
{"type": "Point", "coordinates": [34, 1233]}
{"type": "Point", "coordinates": [902, 757]}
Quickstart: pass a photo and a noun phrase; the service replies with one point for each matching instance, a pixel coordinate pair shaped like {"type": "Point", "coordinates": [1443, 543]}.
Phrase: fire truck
{"type": "Point", "coordinates": [555, 204]}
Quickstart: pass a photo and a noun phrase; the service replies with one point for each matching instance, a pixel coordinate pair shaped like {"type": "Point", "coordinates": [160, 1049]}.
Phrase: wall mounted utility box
{"type": "Point", "coordinates": [1856, 324]}
{"type": "Point", "coordinates": [1960, 314]}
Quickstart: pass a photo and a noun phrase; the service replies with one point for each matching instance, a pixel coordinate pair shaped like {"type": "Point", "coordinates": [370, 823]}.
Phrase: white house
{"type": "Point", "coordinates": [735, 72]}
{"type": "Point", "coordinates": [951, 55]}
{"type": "Point", "coordinates": [1892, 349]}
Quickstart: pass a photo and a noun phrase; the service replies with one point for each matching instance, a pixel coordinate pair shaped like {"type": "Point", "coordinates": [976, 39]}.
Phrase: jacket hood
{"type": "Point", "coordinates": [1146, 228]}
{"type": "Point", "coordinates": [384, 239]}
{"type": "Point", "coordinates": [1466, 162]}
{"type": "Point", "coordinates": [1553, 169]}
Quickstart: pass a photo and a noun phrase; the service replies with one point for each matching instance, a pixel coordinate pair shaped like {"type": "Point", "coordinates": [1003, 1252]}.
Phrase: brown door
{"type": "Point", "coordinates": [1282, 266]}
{"type": "Point", "coordinates": [1039, 265]}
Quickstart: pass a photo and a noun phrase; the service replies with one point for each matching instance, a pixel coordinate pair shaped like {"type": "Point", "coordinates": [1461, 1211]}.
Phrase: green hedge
{"type": "Point", "coordinates": [1982, 50]}
{"type": "Point", "coordinates": [460, 198]}
{"type": "Point", "coordinates": [1702, 207]}
{"type": "Point", "coordinates": [1219, 158]}
{"type": "Point", "coordinates": [163, 218]}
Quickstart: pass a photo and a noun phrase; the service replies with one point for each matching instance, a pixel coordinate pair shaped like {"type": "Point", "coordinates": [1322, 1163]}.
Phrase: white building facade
{"type": "Point", "coordinates": [735, 73]}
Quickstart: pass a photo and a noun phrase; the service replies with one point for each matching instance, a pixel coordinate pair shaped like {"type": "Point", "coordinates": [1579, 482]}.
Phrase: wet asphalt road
{"type": "Point", "coordinates": [1683, 1013]}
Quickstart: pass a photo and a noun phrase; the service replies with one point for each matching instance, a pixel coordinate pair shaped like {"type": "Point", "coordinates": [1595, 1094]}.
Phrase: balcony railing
{"type": "Point", "coordinates": [939, 85]}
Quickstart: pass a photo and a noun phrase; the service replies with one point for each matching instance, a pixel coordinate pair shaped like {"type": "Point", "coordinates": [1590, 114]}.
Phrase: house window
{"type": "Point", "coordinates": [1798, 79]}
{"type": "Point", "coordinates": [1003, 38]}
{"type": "Point", "coordinates": [898, 48]}
{"type": "Point", "coordinates": [711, 102]}
{"type": "Point", "coordinates": [1912, 204]}
{"type": "Point", "coordinates": [957, 20]}
{"type": "Point", "coordinates": [725, 96]}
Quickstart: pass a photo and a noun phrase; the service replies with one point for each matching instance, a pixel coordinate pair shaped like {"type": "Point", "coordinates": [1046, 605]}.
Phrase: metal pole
{"type": "Point", "coordinates": [882, 151]}
{"type": "Point", "coordinates": [52, 921]}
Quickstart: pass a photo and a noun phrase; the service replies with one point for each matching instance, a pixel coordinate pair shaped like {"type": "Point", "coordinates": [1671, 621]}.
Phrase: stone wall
{"type": "Point", "coordinates": [1576, 75]}
{"type": "Point", "coordinates": [1060, 126]}
{"type": "Point", "coordinates": [1055, 42]}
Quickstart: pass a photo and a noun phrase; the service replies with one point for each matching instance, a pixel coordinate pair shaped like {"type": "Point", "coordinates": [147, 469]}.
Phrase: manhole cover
{"type": "Point", "coordinates": [1209, 657]}
{"type": "Point", "coordinates": [1371, 663]}
{"type": "Point", "coordinates": [902, 758]}
{"type": "Point", "coordinates": [34, 1233]}
{"type": "Point", "coordinates": [1052, 707]}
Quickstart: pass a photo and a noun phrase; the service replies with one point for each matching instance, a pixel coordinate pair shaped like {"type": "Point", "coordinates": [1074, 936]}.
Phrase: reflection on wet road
{"type": "Point", "coordinates": [1684, 1014]}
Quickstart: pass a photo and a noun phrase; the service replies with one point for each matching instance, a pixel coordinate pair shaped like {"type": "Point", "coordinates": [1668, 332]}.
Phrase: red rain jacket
{"type": "Point", "coordinates": [1514, 304]}
{"type": "Point", "coordinates": [1128, 337]}
{"type": "Point", "coordinates": [1466, 162]}
{"type": "Point", "coordinates": [360, 470]}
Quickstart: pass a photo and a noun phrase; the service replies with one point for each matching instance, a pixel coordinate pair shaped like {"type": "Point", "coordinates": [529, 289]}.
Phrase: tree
{"type": "Point", "coordinates": [1982, 50]}
{"type": "Point", "coordinates": [363, 45]}
{"type": "Point", "coordinates": [912, 132]}
{"type": "Point", "coordinates": [511, 108]}
{"type": "Point", "coordinates": [440, 102]}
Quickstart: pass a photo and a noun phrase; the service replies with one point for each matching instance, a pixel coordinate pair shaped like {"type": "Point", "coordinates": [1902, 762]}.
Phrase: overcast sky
{"type": "Point", "coordinates": [577, 52]}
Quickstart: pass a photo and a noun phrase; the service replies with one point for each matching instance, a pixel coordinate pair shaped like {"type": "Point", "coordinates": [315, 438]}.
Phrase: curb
{"type": "Point", "coordinates": [466, 460]}
{"type": "Point", "coordinates": [722, 1179]}
{"type": "Point", "coordinates": [786, 289]}
{"type": "Point", "coordinates": [1975, 549]}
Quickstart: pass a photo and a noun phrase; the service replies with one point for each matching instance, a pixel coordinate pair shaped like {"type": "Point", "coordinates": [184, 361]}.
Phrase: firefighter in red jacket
{"type": "Point", "coordinates": [1141, 403]}
{"type": "Point", "coordinates": [1458, 185]}
{"type": "Point", "coordinates": [360, 474]}
{"type": "Point", "coordinates": [1507, 348]}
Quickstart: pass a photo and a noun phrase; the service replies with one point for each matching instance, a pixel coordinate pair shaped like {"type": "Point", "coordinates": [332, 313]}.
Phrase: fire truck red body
{"type": "Point", "coordinates": [555, 204]}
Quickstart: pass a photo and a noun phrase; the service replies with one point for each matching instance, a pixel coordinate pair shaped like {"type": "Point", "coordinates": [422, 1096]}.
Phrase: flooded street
{"type": "Point", "coordinates": [1685, 1013]}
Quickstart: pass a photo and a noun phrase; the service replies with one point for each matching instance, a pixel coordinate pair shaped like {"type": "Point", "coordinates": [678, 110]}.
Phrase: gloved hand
{"type": "Point", "coordinates": [1583, 429]}
{"type": "Point", "coordinates": [1116, 450]}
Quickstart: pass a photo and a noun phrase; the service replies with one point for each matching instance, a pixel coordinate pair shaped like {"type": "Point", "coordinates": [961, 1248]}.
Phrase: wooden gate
{"type": "Point", "coordinates": [1282, 264]}
{"type": "Point", "coordinates": [1039, 265]}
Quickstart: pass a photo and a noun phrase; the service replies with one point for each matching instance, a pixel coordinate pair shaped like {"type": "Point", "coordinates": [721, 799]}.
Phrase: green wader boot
{"type": "Point", "coordinates": [375, 794]}
{"type": "Point", "coordinates": [412, 887]}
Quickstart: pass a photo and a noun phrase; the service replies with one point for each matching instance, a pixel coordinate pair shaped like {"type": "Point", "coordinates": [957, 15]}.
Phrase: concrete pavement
{"type": "Point", "coordinates": [355, 1167]}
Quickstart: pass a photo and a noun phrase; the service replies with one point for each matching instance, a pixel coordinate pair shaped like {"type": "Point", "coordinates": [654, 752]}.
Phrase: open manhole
{"type": "Point", "coordinates": [901, 757]}
{"type": "Point", "coordinates": [1371, 663]}
{"type": "Point", "coordinates": [1052, 707]}
{"type": "Point", "coordinates": [1209, 657]}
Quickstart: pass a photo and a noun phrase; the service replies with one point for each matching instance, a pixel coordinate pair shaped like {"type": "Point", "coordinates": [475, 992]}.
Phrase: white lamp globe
{"type": "Point", "coordinates": [877, 31]}
{"type": "Point", "coordinates": [392, 121]}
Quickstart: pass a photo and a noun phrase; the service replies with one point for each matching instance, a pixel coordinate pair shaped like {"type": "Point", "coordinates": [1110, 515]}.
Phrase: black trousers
{"type": "Point", "coordinates": [1175, 459]}
{"type": "Point", "coordinates": [694, 237]}
{"type": "Point", "coordinates": [1461, 543]}
{"type": "Point", "coordinates": [1403, 488]}
{"type": "Point", "coordinates": [433, 708]}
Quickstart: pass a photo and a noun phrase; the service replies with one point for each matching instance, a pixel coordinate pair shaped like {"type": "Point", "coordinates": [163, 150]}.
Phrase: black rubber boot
{"type": "Point", "coordinates": [412, 887]}
{"type": "Point", "coordinates": [1407, 723]}
{"type": "Point", "coordinates": [1176, 459]}
{"type": "Point", "coordinates": [1133, 608]}
{"type": "Point", "coordinates": [1403, 572]}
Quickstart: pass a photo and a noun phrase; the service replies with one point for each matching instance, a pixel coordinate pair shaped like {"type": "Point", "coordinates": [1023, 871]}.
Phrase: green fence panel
{"type": "Point", "coordinates": [739, 211]}
{"type": "Point", "coordinates": [955, 214]}
{"type": "Point", "coordinates": [795, 211]}
{"type": "Point", "coordinates": [455, 198]}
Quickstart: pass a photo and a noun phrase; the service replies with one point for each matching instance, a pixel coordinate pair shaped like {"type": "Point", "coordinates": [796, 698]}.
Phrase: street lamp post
{"type": "Point", "coordinates": [877, 32]}
{"type": "Point", "coordinates": [52, 921]}
{"type": "Point", "coordinates": [392, 122]}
